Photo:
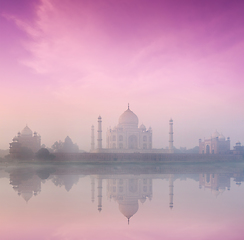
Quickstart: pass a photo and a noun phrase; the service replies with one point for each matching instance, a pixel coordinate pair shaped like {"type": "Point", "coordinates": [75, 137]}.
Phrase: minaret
{"type": "Point", "coordinates": [92, 189]}
{"type": "Point", "coordinates": [171, 189]}
{"type": "Point", "coordinates": [92, 139]}
{"type": "Point", "coordinates": [99, 134]}
{"type": "Point", "coordinates": [171, 150]}
{"type": "Point", "coordinates": [99, 196]}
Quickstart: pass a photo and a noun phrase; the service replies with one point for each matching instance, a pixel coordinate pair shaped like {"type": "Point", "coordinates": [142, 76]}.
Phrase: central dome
{"type": "Point", "coordinates": [128, 118]}
{"type": "Point", "coordinates": [26, 131]}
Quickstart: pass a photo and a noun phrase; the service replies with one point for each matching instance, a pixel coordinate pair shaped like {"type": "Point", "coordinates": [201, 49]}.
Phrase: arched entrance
{"type": "Point", "coordinates": [132, 142]}
{"type": "Point", "coordinates": [207, 149]}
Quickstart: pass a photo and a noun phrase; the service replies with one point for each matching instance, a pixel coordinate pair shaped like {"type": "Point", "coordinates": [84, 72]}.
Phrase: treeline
{"type": "Point", "coordinates": [185, 150]}
{"type": "Point", "coordinates": [25, 153]}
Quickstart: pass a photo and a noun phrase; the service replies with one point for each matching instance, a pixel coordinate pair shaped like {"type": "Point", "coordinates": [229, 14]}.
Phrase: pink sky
{"type": "Point", "coordinates": [63, 63]}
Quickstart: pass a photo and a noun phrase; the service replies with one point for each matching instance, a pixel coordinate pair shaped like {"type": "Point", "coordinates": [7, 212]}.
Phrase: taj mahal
{"type": "Point", "coordinates": [127, 137]}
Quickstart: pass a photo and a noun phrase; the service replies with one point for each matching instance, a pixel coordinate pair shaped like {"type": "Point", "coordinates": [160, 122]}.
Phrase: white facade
{"type": "Point", "coordinates": [127, 137]}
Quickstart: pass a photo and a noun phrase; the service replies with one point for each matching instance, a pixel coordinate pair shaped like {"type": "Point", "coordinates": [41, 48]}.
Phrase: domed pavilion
{"type": "Point", "coordinates": [27, 139]}
{"type": "Point", "coordinates": [127, 135]}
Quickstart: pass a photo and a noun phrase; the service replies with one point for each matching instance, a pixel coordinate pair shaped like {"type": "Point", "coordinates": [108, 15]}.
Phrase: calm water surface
{"type": "Point", "coordinates": [69, 202]}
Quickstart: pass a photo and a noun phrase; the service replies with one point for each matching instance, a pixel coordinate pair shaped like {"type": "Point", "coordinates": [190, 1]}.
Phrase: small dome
{"type": "Point", "coordinates": [26, 131]}
{"type": "Point", "coordinates": [143, 127]}
{"type": "Point", "coordinates": [15, 139]}
{"type": "Point", "coordinates": [215, 135]}
{"type": "Point", "coordinates": [221, 137]}
{"type": "Point", "coordinates": [128, 118]}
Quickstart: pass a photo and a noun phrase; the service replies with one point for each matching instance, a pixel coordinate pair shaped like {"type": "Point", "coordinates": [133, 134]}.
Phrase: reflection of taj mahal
{"type": "Point", "coordinates": [127, 137]}
{"type": "Point", "coordinates": [128, 191]}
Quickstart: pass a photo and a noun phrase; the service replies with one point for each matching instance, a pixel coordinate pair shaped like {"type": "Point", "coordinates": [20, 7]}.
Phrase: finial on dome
{"type": "Point", "coordinates": [128, 221]}
{"type": "Point", "coordinates": [128, 106]}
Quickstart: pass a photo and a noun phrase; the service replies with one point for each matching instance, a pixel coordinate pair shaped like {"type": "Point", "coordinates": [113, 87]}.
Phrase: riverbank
{"type": "Point", "coordinates": [144, 157]}
{"type": "Point", "coordinates": [132, 158]}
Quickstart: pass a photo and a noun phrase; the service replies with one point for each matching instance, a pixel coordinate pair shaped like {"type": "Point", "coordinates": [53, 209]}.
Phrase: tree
{"type": "Point", "coordinates": [67, 146]}
{"type": "Point", "coordinates": [57, 146]}
{"type": "Point", "coordinates": [43, 153]}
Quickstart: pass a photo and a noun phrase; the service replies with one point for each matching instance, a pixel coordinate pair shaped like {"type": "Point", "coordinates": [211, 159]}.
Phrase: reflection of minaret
{"type": "Point", "coordinates": [171, 136]}
{"type": "Point", "coordinates": [92, 189]}
{"type": "Point", "coordinates": [99, 133]}
{"type": "Point", "coordinates": [92, 139]}
{"type": "Point", "coordinates": [171, 189]}
{"type": "Point", "coordinates": [99, 196]}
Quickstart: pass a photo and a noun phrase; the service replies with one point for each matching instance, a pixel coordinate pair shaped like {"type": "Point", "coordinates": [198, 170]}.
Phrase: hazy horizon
{"type": "Point", "coordinates": [65, 63]}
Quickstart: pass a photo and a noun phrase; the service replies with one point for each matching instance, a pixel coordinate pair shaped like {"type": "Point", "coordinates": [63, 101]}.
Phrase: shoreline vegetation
{"type": "Point", "coordinates": [133, 168]}
{"type": "Point", "coordinates": [127, 158]}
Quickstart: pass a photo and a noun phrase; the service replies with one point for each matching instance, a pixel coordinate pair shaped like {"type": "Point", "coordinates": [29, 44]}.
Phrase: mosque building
{"type": "Point", "coordinates": [127, 137]}
{"type": "Point", "coordinates": [217, 144]}
{"type": "Point", "coordinates": [25, 139]}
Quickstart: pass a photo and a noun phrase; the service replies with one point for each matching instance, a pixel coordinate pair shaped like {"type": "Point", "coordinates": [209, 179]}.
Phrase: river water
{"type": "Point", "coordinates": [122, 201]}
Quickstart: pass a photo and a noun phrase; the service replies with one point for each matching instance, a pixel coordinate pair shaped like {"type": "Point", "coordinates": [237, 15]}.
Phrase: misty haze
{"type": "Point", "coordinates": [121, 119]}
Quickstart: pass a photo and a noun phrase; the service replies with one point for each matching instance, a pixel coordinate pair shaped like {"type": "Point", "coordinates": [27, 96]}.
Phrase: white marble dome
{"type": "Point", "coordinates": [128, 118]}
